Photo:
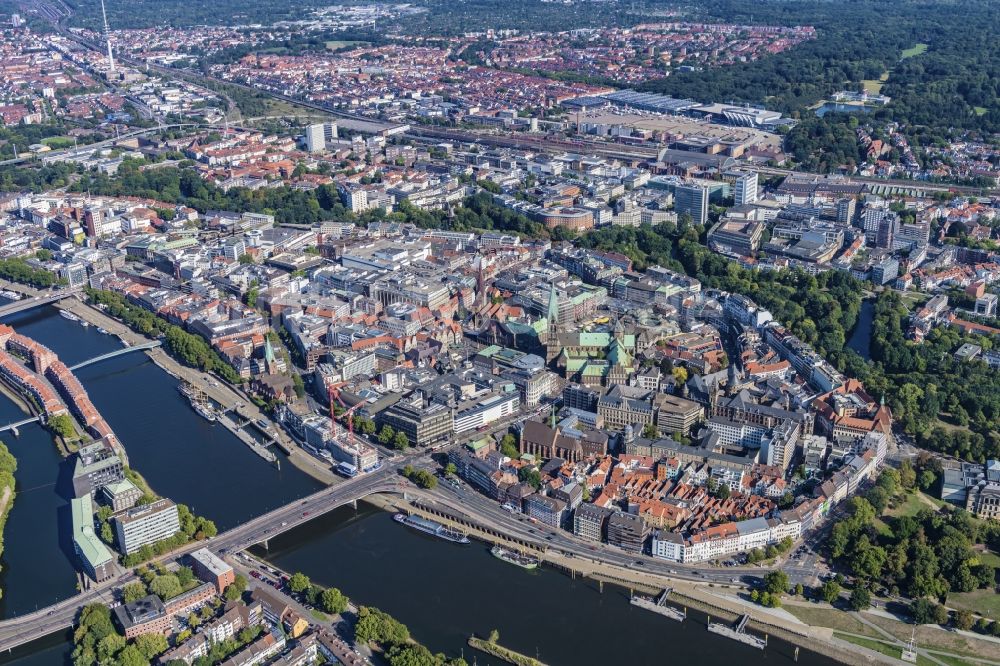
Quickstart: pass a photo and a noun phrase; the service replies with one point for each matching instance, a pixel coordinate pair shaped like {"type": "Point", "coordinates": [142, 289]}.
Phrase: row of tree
{"type": "Point", "coordinates": [330, 599]}
{"type": "Point", "coordinates": [189, 348]}
{"type": "Point", "coordinates": [19, 270]}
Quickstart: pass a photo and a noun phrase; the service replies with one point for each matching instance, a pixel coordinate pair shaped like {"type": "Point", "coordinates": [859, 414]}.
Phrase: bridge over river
{"type": "Point", "coordinates": [31, 302]}
{"type": "Point", "coordinates": [62, 615]}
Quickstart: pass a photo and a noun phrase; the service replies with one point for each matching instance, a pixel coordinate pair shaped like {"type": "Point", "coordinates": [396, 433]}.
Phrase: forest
{"type": "Point", "coordinates": [441, 18]}
{"type": "Point", "coordinates": [956, 82]}
{"type": "Point", "coordinates": [947, 405]}
{"type": "Point", "coordinates": [927, 555]}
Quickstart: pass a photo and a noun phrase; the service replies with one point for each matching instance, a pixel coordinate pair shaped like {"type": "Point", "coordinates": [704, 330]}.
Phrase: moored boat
{"type": "Point", "coordinates": [432, 528]}
{"type": "Point", "coordinates": [522, 560]}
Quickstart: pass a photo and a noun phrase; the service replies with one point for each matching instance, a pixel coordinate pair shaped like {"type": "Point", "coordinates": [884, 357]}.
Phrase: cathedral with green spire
{"type": "Point", "coordinates": [591, 358]}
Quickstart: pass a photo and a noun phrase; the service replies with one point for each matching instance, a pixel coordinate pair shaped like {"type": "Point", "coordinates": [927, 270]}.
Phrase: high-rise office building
{"type": "Point", "coordinates": [692, 198]}
{"type": "Point", "coordinates": [317, 135]}
{"type": "Point", "coordinates": [147, 524]}
{"type": "Point", "coordinates": [746, 189]}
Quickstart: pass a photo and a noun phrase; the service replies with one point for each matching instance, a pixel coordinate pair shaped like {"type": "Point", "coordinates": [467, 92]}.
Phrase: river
{"type": "Point", "coordinates": [444, 592]}
{"type": "Point", "coordinates": [182, 456]}
{"type": "Point", "coordinates": [441, 591]}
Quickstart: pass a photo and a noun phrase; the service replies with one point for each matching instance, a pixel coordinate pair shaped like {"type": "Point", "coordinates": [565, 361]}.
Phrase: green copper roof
{"type": "Point", "coordinates": [553, 312]}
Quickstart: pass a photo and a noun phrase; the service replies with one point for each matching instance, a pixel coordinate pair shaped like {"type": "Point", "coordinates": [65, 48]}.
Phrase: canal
{"type": "Point", "coordinates": [445, 592]}
{"type": "Point", "coordinates": [181, 455]}
{"type": "Point", "coordinates": [861, 337]}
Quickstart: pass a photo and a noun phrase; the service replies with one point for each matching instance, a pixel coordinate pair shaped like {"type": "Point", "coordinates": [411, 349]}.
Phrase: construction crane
{"type": "Point", "coordinates": [333, 391]}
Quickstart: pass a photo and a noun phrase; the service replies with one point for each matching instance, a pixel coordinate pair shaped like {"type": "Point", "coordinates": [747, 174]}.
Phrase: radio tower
{"type": "Point", "coordinates": [107, 36]}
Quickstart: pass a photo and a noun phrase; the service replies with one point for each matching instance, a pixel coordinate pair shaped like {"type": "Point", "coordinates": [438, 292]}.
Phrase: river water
{"type": "Point", "coordinates": [861, 337]}
{"type": "Point", "coordinates": [182, 456]}
{"type": "Point", "coordinates": [445, 592]}
{"type": "Point", "coordinates": [441, 591]}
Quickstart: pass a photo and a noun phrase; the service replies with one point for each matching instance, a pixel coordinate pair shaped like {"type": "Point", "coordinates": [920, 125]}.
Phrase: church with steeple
{"type": "Point", "coordinates": [599, 357]}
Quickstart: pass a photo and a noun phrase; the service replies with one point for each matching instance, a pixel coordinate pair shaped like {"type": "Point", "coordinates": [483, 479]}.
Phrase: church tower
{"type": "Point", "coordinates": [552, 345]}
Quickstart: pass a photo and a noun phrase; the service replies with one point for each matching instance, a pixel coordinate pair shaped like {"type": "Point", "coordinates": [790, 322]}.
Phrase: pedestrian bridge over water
{"type": "Point", "coordinates": [118, 352]}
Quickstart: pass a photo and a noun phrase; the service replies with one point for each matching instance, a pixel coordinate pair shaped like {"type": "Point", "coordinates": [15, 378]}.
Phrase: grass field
{"type": "Point", "coordinates": [882, 528]}
{"type": "Point", "coordinates": [818, 616]}
{"type": "Point", "coordinates": [980, 110]}
{"type": "Point", "coordinates": [877, 646]}
{"type": "Point", "coordinates": [914, 50]}
{"type": "Point", "coordinates": [934, 638]}
{"type": "Point", "coordinates": [911, 506]}
{"type": "Point", "coordinates": [990, 558]}
{"type": "Point", "coordinates": [985, 602]}
{"type": "Point", "coordinates": [913, 299]}
{"type": "Point", "coordinates": [340, 44]}
{"type": "Point", "coordinates": [873, 86]}
{"type": "Point", "coordinates": [57, 142]}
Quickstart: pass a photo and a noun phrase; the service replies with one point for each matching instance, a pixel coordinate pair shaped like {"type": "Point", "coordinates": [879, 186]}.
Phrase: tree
{"type": "Point", "coordinates": [236, 589]}
{"type": "Point", "coordinates": [133, 592]}
{"type": "Point", "coordinates": [299, 582]}
{"type": "Point", "coordinates": [531, 476]}
{"type": "Point", "coordinates": [386, 434]}
{"type": "Point", "coordinates": [107, 534]}
{"type": "Point", "coordinates": [333, 601]}
{"type": "Point", "coordinates": [250, 298]}
{"type": "Point", "coordinates": [922, 611]}
{"type": "Point", "coordinates": [800, 591]}
{"type": "Point", "coordinates": [400, 441]}
{"type": "Point", "coordinates": [151, 645]}
{"type": "Point", "coordinates": [109, 647]}
{"type": "Point", "coordinates": [860, 599]}
{"type": "Point", "coordinates": [964, 620]}
{"type": "Point", "coordinates": [450, 469]}
{"type": "Point", "coordinates": [62, 426]}
{"type": "Point", "coordinates": [166, 587]}
{"type": "Point", "coordinates": [776, 582]}
{"type": "Point", "coordinates": [375, 626]}
{"type": "Point", "coordinates": [649, 431]}
{"type": "Point", "coordinates": [185, 576]}
{"type": "Point", "coordinates": [940, 614]}
{"type": "Point", "coordinates": [132, 656]}
{"type": "Point", "coordinates": [508, 446]}
{"type": "Point", "coordinates": [830, 591]}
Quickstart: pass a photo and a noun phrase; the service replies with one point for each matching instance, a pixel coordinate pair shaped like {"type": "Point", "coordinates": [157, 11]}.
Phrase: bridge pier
{"type": "Point", "coordinates": [354, 504]}
{"type": "Point", "coordinates": [264, 543]}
